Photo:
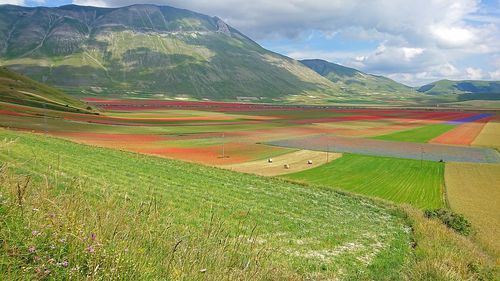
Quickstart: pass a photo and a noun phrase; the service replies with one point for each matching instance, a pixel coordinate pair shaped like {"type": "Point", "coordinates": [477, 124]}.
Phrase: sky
{"type": "Point", "coordinates": [412, 42]}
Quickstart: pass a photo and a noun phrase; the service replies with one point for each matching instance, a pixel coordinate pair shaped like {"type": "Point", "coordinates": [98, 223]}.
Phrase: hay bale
{"type": "Point", "coordinates": [287, 166]}
{"type": "Point", "coordinates": [309, 162]}
{"type": "Point", "coordinates": [270, 160]}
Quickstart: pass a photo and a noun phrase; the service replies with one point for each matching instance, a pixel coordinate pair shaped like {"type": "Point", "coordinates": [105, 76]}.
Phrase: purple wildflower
{"type": "Point", "coordinates": [31, 249]}
{"type": "Point", "coordinates": [65, 263]}
{"type": "Point", "coordinates": [90, 249]}
{"type": "Point", "coordinates": [35, 232]}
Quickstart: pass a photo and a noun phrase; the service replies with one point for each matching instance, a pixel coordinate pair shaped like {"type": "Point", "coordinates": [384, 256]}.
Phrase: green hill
{"type": "Point", "coordinates": [19, 89]}
{"type": "Point", "coordinates": [352, 81]}
{"type": "Point", "coordinates": [465, 90]}
{"type": "Point", "coordinates": [139, 209]}
{"type": "Point", "coordinates": [145, 50]}
{"type": "Point", "coordinates": [71, 211]}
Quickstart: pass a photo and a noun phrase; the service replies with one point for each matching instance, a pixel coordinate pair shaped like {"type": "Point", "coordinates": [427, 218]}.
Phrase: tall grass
{"type": "Point", "coordinates": [443, 254]}
{"type": "Point", "coordinates": [49, 233]}
{"type": "Point", "coordinates": [309, 232]}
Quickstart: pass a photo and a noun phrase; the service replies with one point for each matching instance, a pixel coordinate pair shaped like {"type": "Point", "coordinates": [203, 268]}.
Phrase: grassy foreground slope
{"type": "Point", "coordinates": [19, 89]}
{"type": "Point", "coordinates": [400, 180]}
{"type": "Point", "coordinates": [106, 214]}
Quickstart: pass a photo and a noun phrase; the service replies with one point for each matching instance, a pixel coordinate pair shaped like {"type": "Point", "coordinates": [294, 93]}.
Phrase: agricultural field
{"type": "Point", "coordinates": [294, 162]}
{"type": "Point", "coordinates": [419, 183]}
{"type": "Point", "coordinates": [407, 150]}
{"type": "Point", "coordinates": [273, 227]}
{"type": "Point", "coordinates": [267, 227]}
{"type": "Point", "coordinates": [421, 134]}
{"type": "Point", "coordinates": [489, 135]}
{"type": "Point", "coordinates": [473, 190]}
{"type": "Point", "coordinates": [202, 131]}
{"type": "Point", "coordinates": [150, 142]}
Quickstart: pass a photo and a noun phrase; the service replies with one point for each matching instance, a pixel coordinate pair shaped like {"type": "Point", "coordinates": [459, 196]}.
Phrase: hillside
{"type": "Point", "coordinates": [64, 216]}
{"type": "Point", "coordinates": [466, 89]}
{"type": "Point", "coordinates": [353, 81]}
{"type": "Point", "coordinates": [146, 50]}
{"type": "Point", "coordinates": [19, 89]}
{"type": "Point", "coordinates": [235, 226]}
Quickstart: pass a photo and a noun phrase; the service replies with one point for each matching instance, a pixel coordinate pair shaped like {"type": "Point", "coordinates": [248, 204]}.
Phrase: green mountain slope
{"type": "Point", "coordinates": [354, 81]}
{"type": "Point", "coordinates": [147, 49]}
{"type": "Point", "coordinates": [466, 89]}
{"type": "Point", "coordinates": [19, 89]}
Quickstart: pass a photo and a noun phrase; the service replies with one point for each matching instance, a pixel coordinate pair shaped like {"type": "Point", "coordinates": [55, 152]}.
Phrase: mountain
{"type": "Point", "coordinates": [148, 51]}
{"type": "Point", "coordinates": [19, 89]}
{"type": "Point", "coordinates": [355, 81]}
{"type": "Point", "coordinates": [466, 89]}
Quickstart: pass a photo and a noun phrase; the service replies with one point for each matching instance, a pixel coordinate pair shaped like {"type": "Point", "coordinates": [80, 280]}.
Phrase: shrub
{"type": "Point", "coordinates": [451, 219]}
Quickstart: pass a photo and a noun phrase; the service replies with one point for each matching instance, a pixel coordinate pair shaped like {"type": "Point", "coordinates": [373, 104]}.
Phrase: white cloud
{"type": "Point", "coordinates": [410, 53]}
{"type": "Point", "coordinates": [12, 2]}
{"type": "Point", "coordinates": [474, 73]}
{"type": "Point", "coordinates": [449, 36]}
{"type": "Point", "coordinates": [494, 75]}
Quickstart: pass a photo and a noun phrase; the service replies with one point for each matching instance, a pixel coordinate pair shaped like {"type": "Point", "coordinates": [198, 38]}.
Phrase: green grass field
{"type": "Point", "coordinates": [110, 214]}
{"type": "Point", "coordinates": [19, 89]}
{"type": "Point", "coordinates": [399, 180]}
{"type": "Point", "coordinates": [421, 134]}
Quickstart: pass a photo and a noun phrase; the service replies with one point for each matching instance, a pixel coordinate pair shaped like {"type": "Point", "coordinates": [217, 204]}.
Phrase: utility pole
{"type": "Point", "coordinates": [223, 156]}
{"type": "Point", "coordinates": [45, 118]}
{"type": "Point", "coordinates": [327, 152]}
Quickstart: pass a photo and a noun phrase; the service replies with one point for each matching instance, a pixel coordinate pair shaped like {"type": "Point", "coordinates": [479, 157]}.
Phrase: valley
{"type": "Point", "coordinates": [150, 142]}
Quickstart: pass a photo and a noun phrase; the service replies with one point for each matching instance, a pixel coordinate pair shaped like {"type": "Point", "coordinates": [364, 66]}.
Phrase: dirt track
{"type": "Point", "coordinates": [297, 161]}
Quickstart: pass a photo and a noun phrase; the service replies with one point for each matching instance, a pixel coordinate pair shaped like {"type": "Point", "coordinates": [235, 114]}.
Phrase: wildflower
{"type": "Point", "coordinates": [92, 236]}
{"type": "Point", "coordinates": [31, 249]}
{"type": "Point", "coordinates": [90, 249]}
{"type": "Point", "coordinates": [65, 264]}
{"type": "Point", "coordinates": [35, 233]}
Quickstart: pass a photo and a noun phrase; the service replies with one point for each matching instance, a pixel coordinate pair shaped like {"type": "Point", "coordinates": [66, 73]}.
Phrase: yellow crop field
{"type": "Point", "coordinates": [490, 135]}
{"type": "Point", "coordinates": [474, 191]}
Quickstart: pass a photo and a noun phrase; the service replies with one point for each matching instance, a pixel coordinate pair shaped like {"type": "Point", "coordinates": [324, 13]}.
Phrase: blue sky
{"type": "Point", "coordinates": [413, 42]}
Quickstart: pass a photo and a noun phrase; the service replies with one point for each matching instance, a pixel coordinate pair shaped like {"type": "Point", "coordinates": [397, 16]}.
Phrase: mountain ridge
{"type": "Point", "coordinates": [145, 50]}
{"type": "Point", "coordinates": [346, 75]}
{"type": "Point", "coordinates": [448, 86]}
